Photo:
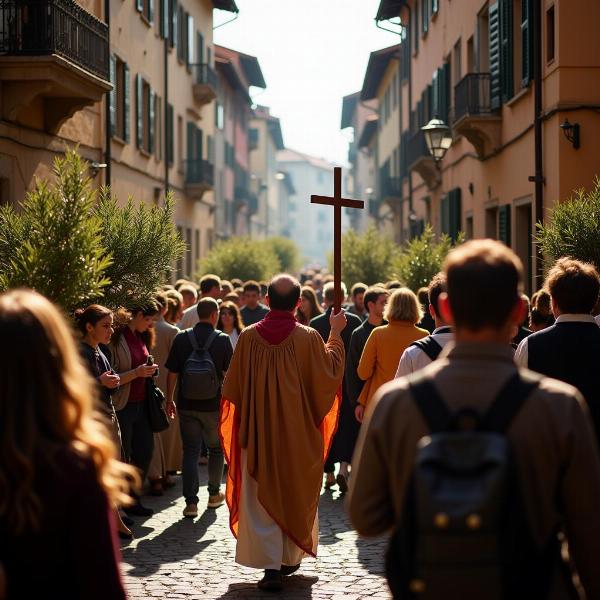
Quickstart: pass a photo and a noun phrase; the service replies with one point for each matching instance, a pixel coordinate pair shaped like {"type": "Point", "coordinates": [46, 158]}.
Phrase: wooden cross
{"type": "Point", "coordinates": [337, 202]}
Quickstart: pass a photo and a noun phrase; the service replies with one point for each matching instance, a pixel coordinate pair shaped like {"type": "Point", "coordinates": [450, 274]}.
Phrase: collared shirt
{"type": "Point", "coordinates": [598, 320]}
{"type": "Point", "coordinates": [522, 353]}
{"type": "Point", "coordinates": [414, 359]}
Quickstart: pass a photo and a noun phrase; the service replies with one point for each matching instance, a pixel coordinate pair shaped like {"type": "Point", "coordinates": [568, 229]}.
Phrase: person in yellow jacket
{"type": "Point", "coordinates": [386, 344]}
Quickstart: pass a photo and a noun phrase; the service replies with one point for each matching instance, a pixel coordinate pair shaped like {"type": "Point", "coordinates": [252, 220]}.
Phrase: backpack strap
{"type": "Point", "coordinates": [430, 403]}
{"type": "Point", "coordinates": [509, 401]}
{"type": "Point", "coordinates": [430, 346]}
{"type": "Point", "coordinates": [211, 338]}
{"type": "Point", "coordinates": [193, 340]}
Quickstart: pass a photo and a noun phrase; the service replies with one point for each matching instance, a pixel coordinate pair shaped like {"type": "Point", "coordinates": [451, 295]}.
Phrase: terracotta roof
{"type": "Point", "coordinates": [378, 63]}
{"type": "Point", "coordinates": [289, 155]}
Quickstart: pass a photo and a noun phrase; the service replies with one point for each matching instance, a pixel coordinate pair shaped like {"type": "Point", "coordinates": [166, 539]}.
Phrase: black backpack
{"type": "Point", "coordinates": [200, 380]}
{"type": "Point", "coordinates": [464, 532]}
{"type": "Point", "coordinates": [428, 345]}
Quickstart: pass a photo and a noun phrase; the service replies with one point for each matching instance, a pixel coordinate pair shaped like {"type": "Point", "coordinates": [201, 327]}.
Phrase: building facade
{"type": "Point", "coordinates": [504, 75]}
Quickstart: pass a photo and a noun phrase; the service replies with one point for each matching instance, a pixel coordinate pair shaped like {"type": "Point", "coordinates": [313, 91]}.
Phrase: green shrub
{"type": "Point", "coordinates": [286, 251]}
{"type": "Point", "coordinates": [573, 228]}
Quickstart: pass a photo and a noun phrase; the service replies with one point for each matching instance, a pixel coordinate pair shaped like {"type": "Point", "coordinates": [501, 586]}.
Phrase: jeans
{"type": "Point", "coordinates": [136, 436]}
{"type": "Point", "coordinates": [195, 427]}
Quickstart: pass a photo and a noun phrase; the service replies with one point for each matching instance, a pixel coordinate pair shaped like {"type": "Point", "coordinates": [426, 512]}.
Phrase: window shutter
{"type": "Point", "coordinates": [151, 11]}
{"type": "Point", "coordinates": [504, 224]}
{"type": "Point", "coordinates": [443, 92]}
{"type": "Point", "coordinates": [435, 93]}
{"type": "Point", "coordinates": [199, 144]}
{"type": "Point", "coordinates": [126, 102]}
{"type": "Point", "coordinates": [190, 141]}
{"type": "Point", "coordinates": [526, 42]}
{"type": "Point", "coordinates": [415, 12]}
{"type": "Point", "coordinates": [190, 40]}
{"type": "Point", "coordinates": [429, 103]}
{"type": "Point", "coordinates": [506, 49]}
{"type": "Point", "coordinates": [420, 122]}
{"type": "Point", "coordinates": [169, 133]}
{"type": "Point", "coordinates": [139, 5]}
{"type": "Point", "coordinates": [454, 210]}
{"type": "Point", "coordinates": [112, 96]}
{"type": "Point", "coordinates": [164, 18]}
{"type": "Point", "coordinates": [435, 6]}
{"type": "Point", "coordinates": [425, 15]}
{"type": "Point", "coordinates": [445, 214]}
{"type": "Point", "coordinates": [494, 43]}
{"type": "Point", "coordinates": [200, 44]}
{"type": "Point", "coordinates": [151, 120]}
{"type": "Point", "coordinates": [172, 22]}
{"type": "Point", "coordinates": [139, 123]}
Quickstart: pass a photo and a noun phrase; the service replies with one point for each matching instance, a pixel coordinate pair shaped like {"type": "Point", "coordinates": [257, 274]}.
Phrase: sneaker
{"type": "Point", "coordinates": [191, 510]}
{"type": "Point", "coordinates": [216, 500]}
{"type": "Point", "coordinates": [271, 582]}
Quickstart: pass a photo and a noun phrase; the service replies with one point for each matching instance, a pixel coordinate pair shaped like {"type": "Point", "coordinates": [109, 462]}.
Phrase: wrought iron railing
{"type": "Point", "coordinates": [472, 95]}
{"type": "Point", "coordinates": [204, 74]}
{"type": "Point", "coordinates": [199, 172]}
{"type": "Point", "coordinates": [417, 148]}
{"type": "Point", "coordinates": [44, 27]}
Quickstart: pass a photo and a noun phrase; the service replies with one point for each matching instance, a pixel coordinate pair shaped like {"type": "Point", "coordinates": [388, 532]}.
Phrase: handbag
{"type": "Point", "coordinates": [155, 402]}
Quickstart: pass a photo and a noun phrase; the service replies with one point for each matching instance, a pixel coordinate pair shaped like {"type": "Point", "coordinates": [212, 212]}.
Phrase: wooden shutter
{"type": "Point", "coordinates": [169, 127]}
{"type": "Point", "coordinates": [445, 214]}
{"type": "Point", "coordinates": [425, 15]}
{"type": "Point", "coordinates": [435, 93]}
{"type": "Point", "coordinates": [200, 50]}
{"type": "Point", "coordinates": [506, 49]}
{"type": "Point", "coordinates": [139, 111]}
{"type": "Point", "coordinates": [112, 96]}
{"type": "Point", "coordinates": [504, 224]}
{"type": "Point", "coordinates": [126, 102]}
{"type": "Point", "coordinates": [151, 120]}
{"type": "Point", "coordinates": [443, 92]}
{"type": "Point", "coordinates": [164, 18]}
{"type": "Point", "coordinates": [526, 42]}
{"type": "Point", "coordinates": [454, 210]}
{"type": "Point", "coordinates": [190, 41]}
{"type": "Point", "coordinates": [172, 22]}
{"type": "Point", "coordinates": [494, 45]}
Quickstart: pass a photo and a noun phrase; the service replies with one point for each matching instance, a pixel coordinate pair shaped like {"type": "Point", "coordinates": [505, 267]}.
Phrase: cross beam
{"type": "Point", "coordinates": [337, 202]}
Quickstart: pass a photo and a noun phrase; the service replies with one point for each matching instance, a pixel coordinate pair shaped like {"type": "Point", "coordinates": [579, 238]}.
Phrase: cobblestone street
{"type": "Point", "coordinates": [173, 557]}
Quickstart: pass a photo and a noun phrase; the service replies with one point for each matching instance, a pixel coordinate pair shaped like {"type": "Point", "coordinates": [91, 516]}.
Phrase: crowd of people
{"type": "Point", "coordinates": [75, 420]}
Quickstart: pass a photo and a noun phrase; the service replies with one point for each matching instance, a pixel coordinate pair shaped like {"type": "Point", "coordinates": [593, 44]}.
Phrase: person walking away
{"type": "Point", "coordinates": [210, 287]}
{"type": "Point", "coordinates": [133, 336]}
{"type": "Point", "coordinates": [381, 356]}
{"type": "Point", "coordinates": [95, 324]}
{"type": "Point", "coordinates": [344, 439]}
{"type": "Point", "coordinates": [60, 477]}
{"type": "Point", "coordinates": [196, 365]}
{"type": "Point", "coordinates": [422, 352]}
{"type": "Point", "coordinates": [279, 410]}
{"type": "Point", "coordinates": [500, 536]}
{"type": "Point", "coordinates": [357, 294]}
{"type": "Point", "coordinates": [309, 306]}
{"type": "Point", "coordinates": [569, 349]}
{"type": "Point", "coordinates": [253, 311]}
{"type": "Point", "coordinates": [426, 321]}
{"type": "Point", "coordinates": [230, 321]}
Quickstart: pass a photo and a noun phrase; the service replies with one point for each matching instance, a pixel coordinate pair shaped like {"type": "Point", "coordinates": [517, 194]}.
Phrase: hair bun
{"type": "Point", "coordinates": [78, 313]}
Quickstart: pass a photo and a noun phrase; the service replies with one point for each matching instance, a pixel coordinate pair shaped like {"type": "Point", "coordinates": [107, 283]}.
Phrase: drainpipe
{"type": "Point", "coordinates": [538, 122]}
{"type": "Point", "coordinates": [107, 136]}
{"type": "Point", "coordinates": [166, 108]}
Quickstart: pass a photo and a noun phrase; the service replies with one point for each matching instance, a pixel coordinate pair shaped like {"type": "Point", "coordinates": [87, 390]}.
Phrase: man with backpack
{"type": "Point", "coordinates": [197, 363]}
{"type": "Point", "coordinates": [422, 352]}
{"type": "Point", "coordinates": [478, 469]}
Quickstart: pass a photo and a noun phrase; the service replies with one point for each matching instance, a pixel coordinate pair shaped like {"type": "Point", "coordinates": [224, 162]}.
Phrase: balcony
{"type": "Point", "coordinates": [420, 160]}
{"type": "Point", "coordinates": [473, 114]}
{"type": "Point", "coordinates": [391, 189]}
{"type": "Point", "coordinates": [53, 50]}
{"type": "Point", "coordinates": [205, 83]}
{"type": "Point", "coordinates": [199, 177]}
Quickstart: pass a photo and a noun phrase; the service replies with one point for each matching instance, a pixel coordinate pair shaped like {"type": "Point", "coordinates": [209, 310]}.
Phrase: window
{"type": "Point", "coordinates": [145, 117]}
{"type": "Point", "coordinates": [163, 20]}
{"type": "Point", "coordinates": [169, 132]}
{"type": "Point", "coordinates": [158, 130]}
{"type": "Point", "coordinates": [469, 227]}
{"type": "Point", "coordinates": [415, 27]}
{"type": "Point", "coordinates": [119, 98]}
{"type": "Point", "coordinates": [471, 61]}
{"type": "Point", "coordinates": [181, 33]}
{"type": "Point", "coordinates": [180, 157]}
{"type": "Point", "coordinates": [506, 49]}
{"type": "Point", "coordinates": [526, 42]}
{"type": "Point", "coordinates": [173, 13]}
{"type": "Point", "coordinates": [189, 49]}
{"type": "Point", "coordinates": [457, 62]}
{"type": "Point", "coordinates": [550, 35]}
{"type": "Point", "coordinates": [435, 6]}
{"type": "Point", "coordinates": [425, 16]}
{"type": "Point", "coordinates": [504, 224]}
{"type": "Point", "coordinates": [450, 217]}
{"type": "Point", "coordinates": [146, 8]}
{"type": "Point", "coordinates": [219, 115]}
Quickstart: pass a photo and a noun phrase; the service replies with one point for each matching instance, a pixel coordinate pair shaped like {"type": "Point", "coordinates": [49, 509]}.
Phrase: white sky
{"type": "Point", "coordinates": [312, 53]}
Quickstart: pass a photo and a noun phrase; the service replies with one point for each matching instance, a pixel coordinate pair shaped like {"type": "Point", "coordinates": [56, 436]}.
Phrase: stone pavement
{"type": "Point", "coordinates": [177, 558]}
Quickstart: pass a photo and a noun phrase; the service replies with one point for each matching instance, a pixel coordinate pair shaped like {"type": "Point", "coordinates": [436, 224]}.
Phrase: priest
{"type": "Point", "coordinates": [279, 412]}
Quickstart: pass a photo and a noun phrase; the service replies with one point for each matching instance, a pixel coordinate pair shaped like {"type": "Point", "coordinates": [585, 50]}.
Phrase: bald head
{"type": "Point", "coordinates": [283, 293]}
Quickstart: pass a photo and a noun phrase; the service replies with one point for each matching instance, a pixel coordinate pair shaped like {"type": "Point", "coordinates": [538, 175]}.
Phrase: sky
{"type": "Point", "coordinates": [312, 53]}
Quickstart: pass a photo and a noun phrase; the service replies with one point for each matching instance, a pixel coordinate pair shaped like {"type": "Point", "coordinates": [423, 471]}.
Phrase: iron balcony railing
{"type": "Point", "coordinates": [472, 95]}
{"type": "Point", "coordinates": [45, 27]}
{"type": "Point", "coordinates": [392, 187]}
{"type": "Point", "coordinates": [417, 148]}
{"type": "Point", "coordinates": [199, 172]}
{"type": "Point", "coordinates": [204, 74]}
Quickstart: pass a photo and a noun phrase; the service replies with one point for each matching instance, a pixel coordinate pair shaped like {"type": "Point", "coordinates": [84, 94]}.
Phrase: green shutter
{"type": "Point", "coordinates": [173, 11]}
{"type": "Point", "coordinates": [169, 130]}
{"type": "Point", "coordinates": [435, 93]}
{"type": "Point", "coordinates": [425, 15]}
{"type": "Point", "coordinates": [526, 42]}
{"type": "Point", "coordinates": [126, 103]}
{"type": "Point", "coordinates": [164, 18]}
{"type": "Point", "coordinates": [506, 49]}
{"type": "Point", "coordinates": [504, 224]}
{"type": "Point", "coordinates": [139, 5]}
{"type": "Point", "coordinates": [151, 11]}
{"type": "Point", "coordinates": [200, 45]}
{"type": "Point", "coordinates": [455, 217]}
{"type": "Point", "coordinates": [139, 113]}
{"type": "Point", "coordinates": [112, 96]}
{"type": "Point", "coordinates": [494, 58]}
{"type": "Point", "coordinates": [151, 120]}
{"type": "Point", "coordinates": [445, 214]}
{"type": "Point", "coordinates": [443, 92]}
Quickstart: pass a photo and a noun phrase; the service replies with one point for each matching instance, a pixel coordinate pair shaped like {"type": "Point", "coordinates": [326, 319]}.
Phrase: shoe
{"type": "Point", "coordinates": [289, 569]}
{"type": "Point", "coordinates": [271, 582]}
{"type": "Point", "coordinates": [342, 482]}
{"type": "Point", "coordinates": [191, 510]}
{"type": "Point", "coordinates": [330, 481]}
{"type": "Point", "coordinates": [138, 510]}
{"type": "Point", "coordinates": [216, 500]}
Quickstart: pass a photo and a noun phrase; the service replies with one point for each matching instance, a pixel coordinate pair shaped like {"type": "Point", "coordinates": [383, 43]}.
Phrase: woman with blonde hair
{"type": "Point", "coordinates": [309, 306]}
{"type": "Point", "coordinates": [382, 352]}
{"type": "Point", "coordinates": [59, 473]}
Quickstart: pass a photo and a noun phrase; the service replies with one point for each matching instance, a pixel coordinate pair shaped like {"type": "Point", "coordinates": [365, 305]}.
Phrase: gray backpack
{"type": "Point", "coordinates": [200, 380]}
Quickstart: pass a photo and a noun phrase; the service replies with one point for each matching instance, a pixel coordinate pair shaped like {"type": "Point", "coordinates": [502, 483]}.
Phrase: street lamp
{"type": "Point", "coordinates": [438, 137]}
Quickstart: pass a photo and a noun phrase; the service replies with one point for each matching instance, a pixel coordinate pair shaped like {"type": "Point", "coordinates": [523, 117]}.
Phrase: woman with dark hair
{"type": "Point", "coordinates": [95, 324]}
{"type": "Point", "coordinates": [309, 307]}
{"type": "Point", "coordinates": [230, 321]}
{"type": "Point", "coordinates": [59, 473]}
{"type": "Point", "coordinates": [130, 344]}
